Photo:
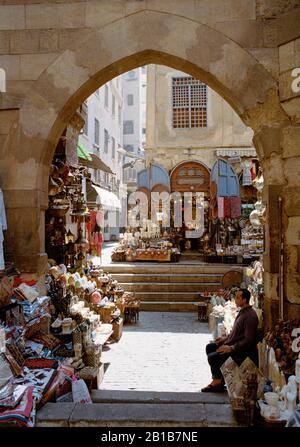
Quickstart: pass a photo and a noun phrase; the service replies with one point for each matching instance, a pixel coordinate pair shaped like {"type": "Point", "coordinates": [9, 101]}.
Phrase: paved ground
{"type": "Point", "coordinates": [162, 352]}
{"type": "Point", "coordinates": [107, 250]}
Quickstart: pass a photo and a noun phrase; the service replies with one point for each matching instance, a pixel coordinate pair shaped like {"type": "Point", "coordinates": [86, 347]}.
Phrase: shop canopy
{"type": "Point", "coordinates": [108, 199]}
{"type": "Point", "coordinates": [83, 153]}
{"type": "Point", "coordinates": [91, 160]}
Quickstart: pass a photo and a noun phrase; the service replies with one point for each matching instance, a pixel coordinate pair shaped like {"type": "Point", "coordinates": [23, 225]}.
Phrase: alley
{"type": "Point", "coordinates": [162, 352]}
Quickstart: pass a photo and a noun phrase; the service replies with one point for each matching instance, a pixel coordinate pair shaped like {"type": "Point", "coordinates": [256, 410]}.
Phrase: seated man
{"type": "Point", "coordinates": [239, 344]}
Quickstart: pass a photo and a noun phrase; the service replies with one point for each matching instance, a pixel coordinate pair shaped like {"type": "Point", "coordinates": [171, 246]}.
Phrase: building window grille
{"type": "Point", "coordinates": [113, 106]}
{"type": "Point", "coordinates": [97, 131]}
{"type": "Point", "coordinates": [130, 99]}
{"type": "Point", "coordinates": [189, 103]}
{"type": "Point", "coordinates": [113, 147]}
{"type": "Point", "coordinates": [128, 127]}
{"type": "Point", "coordinates": [106, 96]}
{"type": "Point", "coordinates": [106, 140]}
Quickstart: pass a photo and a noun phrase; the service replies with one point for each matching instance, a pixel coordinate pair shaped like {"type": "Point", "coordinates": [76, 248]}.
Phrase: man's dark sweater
{"type": "Point", "coordinates": [243, 337]}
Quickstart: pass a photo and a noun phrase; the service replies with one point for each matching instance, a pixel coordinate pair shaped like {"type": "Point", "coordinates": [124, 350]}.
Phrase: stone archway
{"type": "Point", "coordinates": [109, 50]}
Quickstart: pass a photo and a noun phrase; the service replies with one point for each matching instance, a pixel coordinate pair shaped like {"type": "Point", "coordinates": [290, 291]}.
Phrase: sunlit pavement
{"type": "Point", "coordinates": [162, 352]}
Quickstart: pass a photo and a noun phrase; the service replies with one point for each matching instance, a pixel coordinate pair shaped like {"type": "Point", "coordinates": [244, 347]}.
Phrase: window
{"type": "Point", "coordinates": [189, 103]}
{"type": "Point", "coordinates": [144, 69]}
{"type": "Point", "coordinates": [129, 173]}
{"type": "Point", "coordinates": [97, 130]}
{"type": "Point", "coordinates": [106, 140]}
{"type": "Point", "coordinates": [129, 147]}
{"type": "Point", "coordinates": [113, 147]}
{"type": "Point", "coordinates": [143, 130]}
{"type": "Point", "coordinates": [128, 127]}
{"type": "Point", "coordinates": [113, 106]}
{"type": "Point", "coordinates": [119, 115]}
{"type": "Point", "coordinates": [86, 123]}
{"type": "Point", "coordinates": [106, 96]}
{"type": "Point", "coordinates": [130, 100]}
{"type": "Point", "coordinates": [131, 74]}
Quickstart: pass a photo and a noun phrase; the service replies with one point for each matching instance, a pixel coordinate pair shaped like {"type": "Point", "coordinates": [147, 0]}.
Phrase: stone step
{"type": "Point", "coordinates": [116, 396]}
{"type": "Point", "coordinates": [167, 277]}
{"type": "Point", "coordinates": [167, 306]}
{"type": "Point", "coordinates": [169, 296]}
{"type": "Point", "coordinates": [136, 415]}
{"type": "Point", "coordinates": [169, 268]}
{"type": "Point", "coordinates": [169, 287]}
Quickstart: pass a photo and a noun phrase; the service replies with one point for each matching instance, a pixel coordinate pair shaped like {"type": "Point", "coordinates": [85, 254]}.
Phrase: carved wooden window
{"type": "Point", "coordinates": [189, 103]}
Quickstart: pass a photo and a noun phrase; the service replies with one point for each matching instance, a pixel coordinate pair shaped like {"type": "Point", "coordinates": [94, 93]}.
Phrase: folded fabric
{"type": "Point", "coordinates": [21, 413]}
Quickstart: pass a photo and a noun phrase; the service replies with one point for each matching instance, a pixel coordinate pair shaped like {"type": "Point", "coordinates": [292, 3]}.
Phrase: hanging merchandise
{"type": "Point", "coordinates": [235, 207]}
{"type": "Point", "coordinates": [3, 226]}
{"type": "Point", "coordinates": [221, 214]}
{"type": "Point", "coordinates": [247, 177]}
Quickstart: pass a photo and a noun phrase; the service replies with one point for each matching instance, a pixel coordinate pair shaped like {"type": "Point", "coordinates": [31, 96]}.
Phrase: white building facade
{"type": "Point", "coordinates": [102, 136]}
{"type": "Point", "coordinates": [134, 122]}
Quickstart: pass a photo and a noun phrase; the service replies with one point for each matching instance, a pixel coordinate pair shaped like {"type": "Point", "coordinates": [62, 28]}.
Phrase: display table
{"type": "Point", "coordinates": [151, 254]}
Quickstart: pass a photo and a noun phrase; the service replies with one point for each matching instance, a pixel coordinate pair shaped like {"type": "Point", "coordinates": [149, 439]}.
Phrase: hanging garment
{"type": "Point", "coordinates": [247, 178]}
{"type": "Point", "coordinates": [220, 207]}
{"type": "Point", "coordinates": [227, 210]}
{"type": "Point", "coordinates": [235, 207]}
{"type": "Point", "coordinates": [3, 226]}
{"type": "Point", "coordinates": [253, 171]}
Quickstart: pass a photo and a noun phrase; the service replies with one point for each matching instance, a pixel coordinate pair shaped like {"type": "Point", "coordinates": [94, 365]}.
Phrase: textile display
{"type": "Point", "coordinates": [3, 226]}
{"type": "Point", "coordinates": [247, 177]}
{"type": "Point", "coordinates": [20, 415]}
{"type": "Point", "coordinates": [235, 207]}
{"type": "Point", "coordinates": [221, 207]}
{"type": "Point", "coordinates": [227, 210]}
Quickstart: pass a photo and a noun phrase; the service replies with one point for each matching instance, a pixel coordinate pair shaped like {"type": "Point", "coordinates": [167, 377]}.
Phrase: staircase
{"type": "Point", "coordinates": [169, 287]}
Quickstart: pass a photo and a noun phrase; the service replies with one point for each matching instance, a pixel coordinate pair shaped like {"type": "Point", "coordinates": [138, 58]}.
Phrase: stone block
{"type": "Point", "coordinates": [270, 33]}
{"type": "Point", "coordinates": [68, 39]}
{"type": "Point", "coordinates": [292, 108]}
{"type": "Point", "coordinates": [290, 141]}
{"type": "Point", "coordinates": [291, 169]}
{"type": "Point", "coordinates": [288, 27]}
{"type": "Point", "coordinates": [292, 200]}
{"type": "Point", "coordinates": [100, 415]}
{"type": "Point", "coordinates": [293, 231]}
{"type": "Point", "coordinates": [12, 17]}
{"type": "Point", "coordinates": [6, 119]}
{"type": "Point", "coordinates": [11, 65]}
{"type": "Point", "coordinates": [48, 41]}
{"type": "Point", "coordinates": [68, 15]}
{"type": "Point", "coordinates": [269, 140]}
{"type": "Point", "coordinates": [285, 86]}
{"type": "Point", "coordinates": [55, 414]}
{"type": "Point", "coordinates": [32, 65]}
{"type": "Point", "coordinates": [106, 11]}
{"type": "Point", "coordinates": [268, 57]}
{"type": "Point", "coordinates": [24, 41]}
{"type": "Point", "coordinates": [4, 42]}
{"type": "Point", "coordinates": [287, 56]}
{"type": "Point", "coordinates": [247, 33]}
{"type": "Point", "coordinates": [271, 284]}
{"type": "Point", "coordinates": [18, 88]}
{"type": "Point", "coordinates": [219, 415]}
{"type": "Point", "coordinates": [297, 52]}
{"type": "Point", "coordinates": [132, 6]}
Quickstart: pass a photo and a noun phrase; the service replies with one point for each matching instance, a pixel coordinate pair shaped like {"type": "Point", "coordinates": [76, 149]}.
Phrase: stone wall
{"type": "Point", "coordinates": [56, 53]}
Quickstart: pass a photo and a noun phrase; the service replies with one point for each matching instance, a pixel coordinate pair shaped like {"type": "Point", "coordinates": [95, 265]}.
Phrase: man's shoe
{"type": "Point", "coordinates": [213, 388]}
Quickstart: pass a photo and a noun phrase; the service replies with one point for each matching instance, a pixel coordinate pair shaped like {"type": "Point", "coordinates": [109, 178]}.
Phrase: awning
{"type": "Point", "coordinates": [96, 163]}
{"type": "Point", "coordinates": [91, 160]}
{"type": "Point", "coordinates": [108, 199]}
{"type": "Point", "coordinates": [83, 153]}
{"type": "Point", "coordinates": [233, 152]}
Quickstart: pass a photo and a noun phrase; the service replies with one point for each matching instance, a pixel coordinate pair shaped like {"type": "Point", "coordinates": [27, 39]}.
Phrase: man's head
{"type": "Point", "coordinates": [242, 298]}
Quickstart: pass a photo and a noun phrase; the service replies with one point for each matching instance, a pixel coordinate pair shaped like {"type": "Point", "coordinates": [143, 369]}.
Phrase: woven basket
{"type": "Point", "coordinates": [76, 337]}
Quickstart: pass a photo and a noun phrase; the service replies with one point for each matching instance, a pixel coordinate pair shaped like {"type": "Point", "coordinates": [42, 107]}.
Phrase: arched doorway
{"type": "Point", "coordinates": [108, 49]}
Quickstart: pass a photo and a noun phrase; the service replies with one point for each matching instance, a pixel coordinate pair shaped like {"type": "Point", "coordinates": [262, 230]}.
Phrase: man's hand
{"type": "Point", "coordinates": [225, 349]}
{"type": "Point", "coordinates": [220, 340]}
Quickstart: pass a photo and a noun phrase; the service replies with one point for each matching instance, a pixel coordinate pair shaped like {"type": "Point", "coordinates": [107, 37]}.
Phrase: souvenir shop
{"type": "Point", "coordinates": [231, 216]}
{"type": "Point", "coordinates": [51, 337]}
{"type": "Point", "coordinates": [266, 393]}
